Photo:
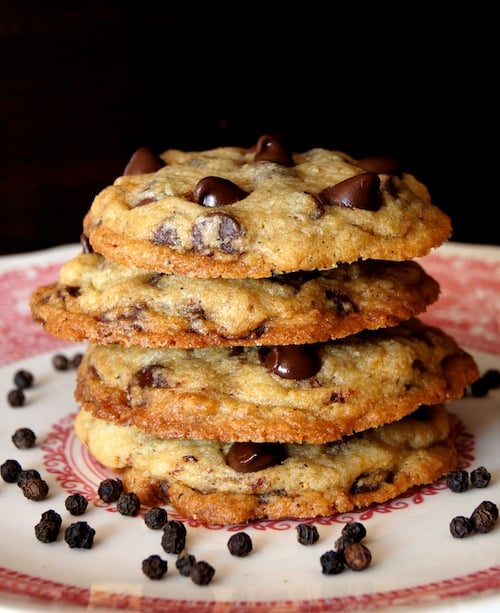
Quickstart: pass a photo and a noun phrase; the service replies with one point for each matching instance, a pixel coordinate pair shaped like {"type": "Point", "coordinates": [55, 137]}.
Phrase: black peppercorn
{"type": "Point", "coordinates": [307, 534]}
{"type": "Point", "coordinates": [484, 516]}
{"type": "Point", "coordinates": [173, 539]}
{"type": "Point", "coordinates": [16, 397]}
{"type": "Point", "coordinates": [46, 531]}
{"type": "Point", "coordinates": [24, 475]}
{"type": "Point", "coordinates": [24, 438]}
{"type": "Point", "coordinates": [357, 556]}
{"type": "Point", "coordinates": [53, 516]}
{"type": "Point", "coordinates": [129, 504]}
{"type": "Point", "coordinates": [457, 480]}
{"type": "Point", "coordinates": [239, 544]}
{"type": "Point", "coordinates": [460, 527]}
{"type": "Point", "coordinates": [154, 567]}
{"type": "Point", "coordinates": [76, 504]}
{"type": "Point", "coordinates": [79, 535]}
{"type": "Point", "coordinates": [109, 490]}
{"type": "Point", "coordinates": [202, 573]}
{"type": "Point", "coordinates": [184, 563]}
{"type": "Point", "coordinates": [332, 562]}
{"type": "Point", "coordinates": [354, 530]}
{"type": "Point", "coordinates": [480, 477]}
{"type": "Point", "coordinates": [155, 518]}
{"type": "Point", "coordinates": [10, 471]}
{"type": "Point", "coordinates": [60, 362]}
{"type": "Point", "coordinates": [23, 379]}
{"type": "Point", "coordinates": [35, 489]}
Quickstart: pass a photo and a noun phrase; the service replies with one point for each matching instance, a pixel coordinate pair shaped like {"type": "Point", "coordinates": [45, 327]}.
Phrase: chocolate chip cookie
{"type": "Point", "coordinates": [97, 300]}
{"type": "Point", "coordinates": [314, 393]}
{"type": "Point", "coordinates": [221, 482]}
{"type": "Point", "coordinates": [250, 213]}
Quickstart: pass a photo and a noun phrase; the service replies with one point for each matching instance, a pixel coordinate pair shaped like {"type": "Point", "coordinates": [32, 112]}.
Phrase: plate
{"type": "Point", "coordinates": [416, 563]}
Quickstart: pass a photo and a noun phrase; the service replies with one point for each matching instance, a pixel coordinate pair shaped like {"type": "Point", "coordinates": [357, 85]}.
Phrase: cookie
{"type": "Point", "coordinates": [314, 393]}
{"type": "Point", "coordinates": [213, 482]}
{"type": "Point", "coordinates": [240, 213]}
{"type": "Point", "coordinates": [97, 300]}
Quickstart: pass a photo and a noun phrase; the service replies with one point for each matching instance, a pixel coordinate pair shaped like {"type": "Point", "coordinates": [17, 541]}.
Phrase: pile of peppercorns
{"type": "Point", "coordinates": [349, 551]}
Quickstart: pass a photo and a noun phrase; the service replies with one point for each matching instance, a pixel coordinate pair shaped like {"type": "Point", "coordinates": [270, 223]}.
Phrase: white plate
{"type": "Point", "coordinates": [417, 564]}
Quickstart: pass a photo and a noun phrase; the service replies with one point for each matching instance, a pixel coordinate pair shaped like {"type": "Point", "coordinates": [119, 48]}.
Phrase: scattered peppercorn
{"type": "Point", "coordinates": [10, 471]}
{"type": "Point", "coordinates": [109, 490]}
{"type": "Point", "coordinates": [240, 544]}
{"type": "Point", "coordinates": [488, 381]}
{"type": "Point", "coordinates": [16, 397]}
{"type": "Point", "coordinates": [184, 563]}
{"type": "Point", "coordinates": [461, 526]}
{"type": "Point", "coordinates": [79, 535]}
{"type": "Point", "coordinates": [24, 438]}
{"type": "Point", "coordinates": [25, 475]}
{"type": "Point", "coordinates": [354, 530]}
{"type": "Point", "coordinates": [202, 573]}
{"type": "Point", "coordinates": [357, 556]}
{"type": "Point", "coordinates": [76, 360]}
{"type": "Point", "coordinates": [23, 379]}
{"type": "Point", "coordinates": [457, 480]}
{"type": "Point", "coordinates": [173, 539]}
{"type": "Point", "coordinates": [47, 529]}
{"type": "Point", "coordinates": [307, 534]}
{"type": "Point", "coordinates": [154, 567]}
{"type": "Point", "coordinates": [76, 504]}
{"type": "Point", "coordinates": [129, 504]}
{"type": "Point", "coordinates": [484, 516]}
{"type": "Point", "coordinates": [480, 477]}
{"type": "Point", "coordinates": [155, 518]}
{"type": "Point", "coordinates": [52, 515]}
{"type": "Point", "coordinates": [35, 489]}
{"type": "Point", "coordinates": [60, 362]}
{"type": "Point", "coordinates": [332, 562]}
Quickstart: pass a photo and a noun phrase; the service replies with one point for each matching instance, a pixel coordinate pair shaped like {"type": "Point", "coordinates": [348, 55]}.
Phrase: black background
{"type": "Point", "coordinates": [84, 84]}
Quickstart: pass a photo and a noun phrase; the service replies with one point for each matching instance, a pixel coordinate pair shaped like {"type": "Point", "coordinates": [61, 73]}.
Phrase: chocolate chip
{"type": "Point", "coordinates": [251, 457]}
{"type": "Point", "coordinates": [358, 192]}
{"type": "Point", "coordinates": [270, 149]}
{"type": "Point", "coordinates": [143, 160]}
{"type": "Point", "coordinates": [371, 482]}
{"type": "Point", "coordinates": [216, 231]}
{"type": "Point", "coordinates": [216, 191]}
{"type": "Point", "coordinates": [165, 234]}
{"type": "Point", "coordinates": [380, 165]}
{"type": "Point", "coordinates": [152, 376]}
{"type": "Point", "coordinates": [291, 361]}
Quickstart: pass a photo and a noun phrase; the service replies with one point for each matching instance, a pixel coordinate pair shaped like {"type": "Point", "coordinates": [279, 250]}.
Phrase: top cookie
{"type": "Point", "coordinates": [250, 213]}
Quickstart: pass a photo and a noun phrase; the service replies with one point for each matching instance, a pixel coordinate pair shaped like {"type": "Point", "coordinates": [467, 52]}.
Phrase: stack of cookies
{"type": "Point", "coordinates": [253, 343]}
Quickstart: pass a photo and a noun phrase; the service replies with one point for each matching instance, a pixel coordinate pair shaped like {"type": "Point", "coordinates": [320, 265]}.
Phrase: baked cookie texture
{"type": "Point", "coordinates": [250, 213]}
{"type": "Point", "coordinates": [103, 302]}
{"type": "Point", "coordinates": [253, 343]}
{"type": "Point", "coordinates": [304, 393]}
{"type": "Point", "coordinates": [312, 480]}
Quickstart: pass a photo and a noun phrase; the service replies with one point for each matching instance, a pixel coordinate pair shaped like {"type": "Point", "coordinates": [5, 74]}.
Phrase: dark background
{"type": "Point", "coordinates": [84, 84]}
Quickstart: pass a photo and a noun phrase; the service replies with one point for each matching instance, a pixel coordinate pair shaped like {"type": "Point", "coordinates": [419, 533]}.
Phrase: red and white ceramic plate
{"type": "Point", "coordinates": [416, 565]}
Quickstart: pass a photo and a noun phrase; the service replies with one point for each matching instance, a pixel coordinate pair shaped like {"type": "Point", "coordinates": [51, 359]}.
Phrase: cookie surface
{"type": "Point", "coordinates": [235, 212]}
{"type": "Point", "coordinates": [312, 480]}
{"type": "Point", "coordinates": [308, 393]}
{"type": "Point", "coordinates": [97, 300]}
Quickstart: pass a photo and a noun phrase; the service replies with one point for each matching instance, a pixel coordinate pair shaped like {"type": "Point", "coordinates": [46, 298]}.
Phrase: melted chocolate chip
{"type": "Point", "coordinates": [216, 230]}
{"type": "Point", "coordinates": [85, 243]}
{"type": "Point", "coordinates": [358, 192]}
{"type": "Point", "coordinates": [164, 234]}
{"type": "Point", "coordinates": [151, 376]}
{"type": "Point", "coordinates": [371, 482]}
{"type": "Point", "coordinates": [251, 457]}
{"type": "Point", "coordinates": [270, 149]}
{"type": "Point", "coordinates": [339, 301]}
{"type": "Point", "coordinates": [382, 165]}
{"type": "Point", "coordinates": [216, 191]}
{"type": "Point", "coordinates": [291, 361]}
{"type": "Point", "coordinates": [143, 161]}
